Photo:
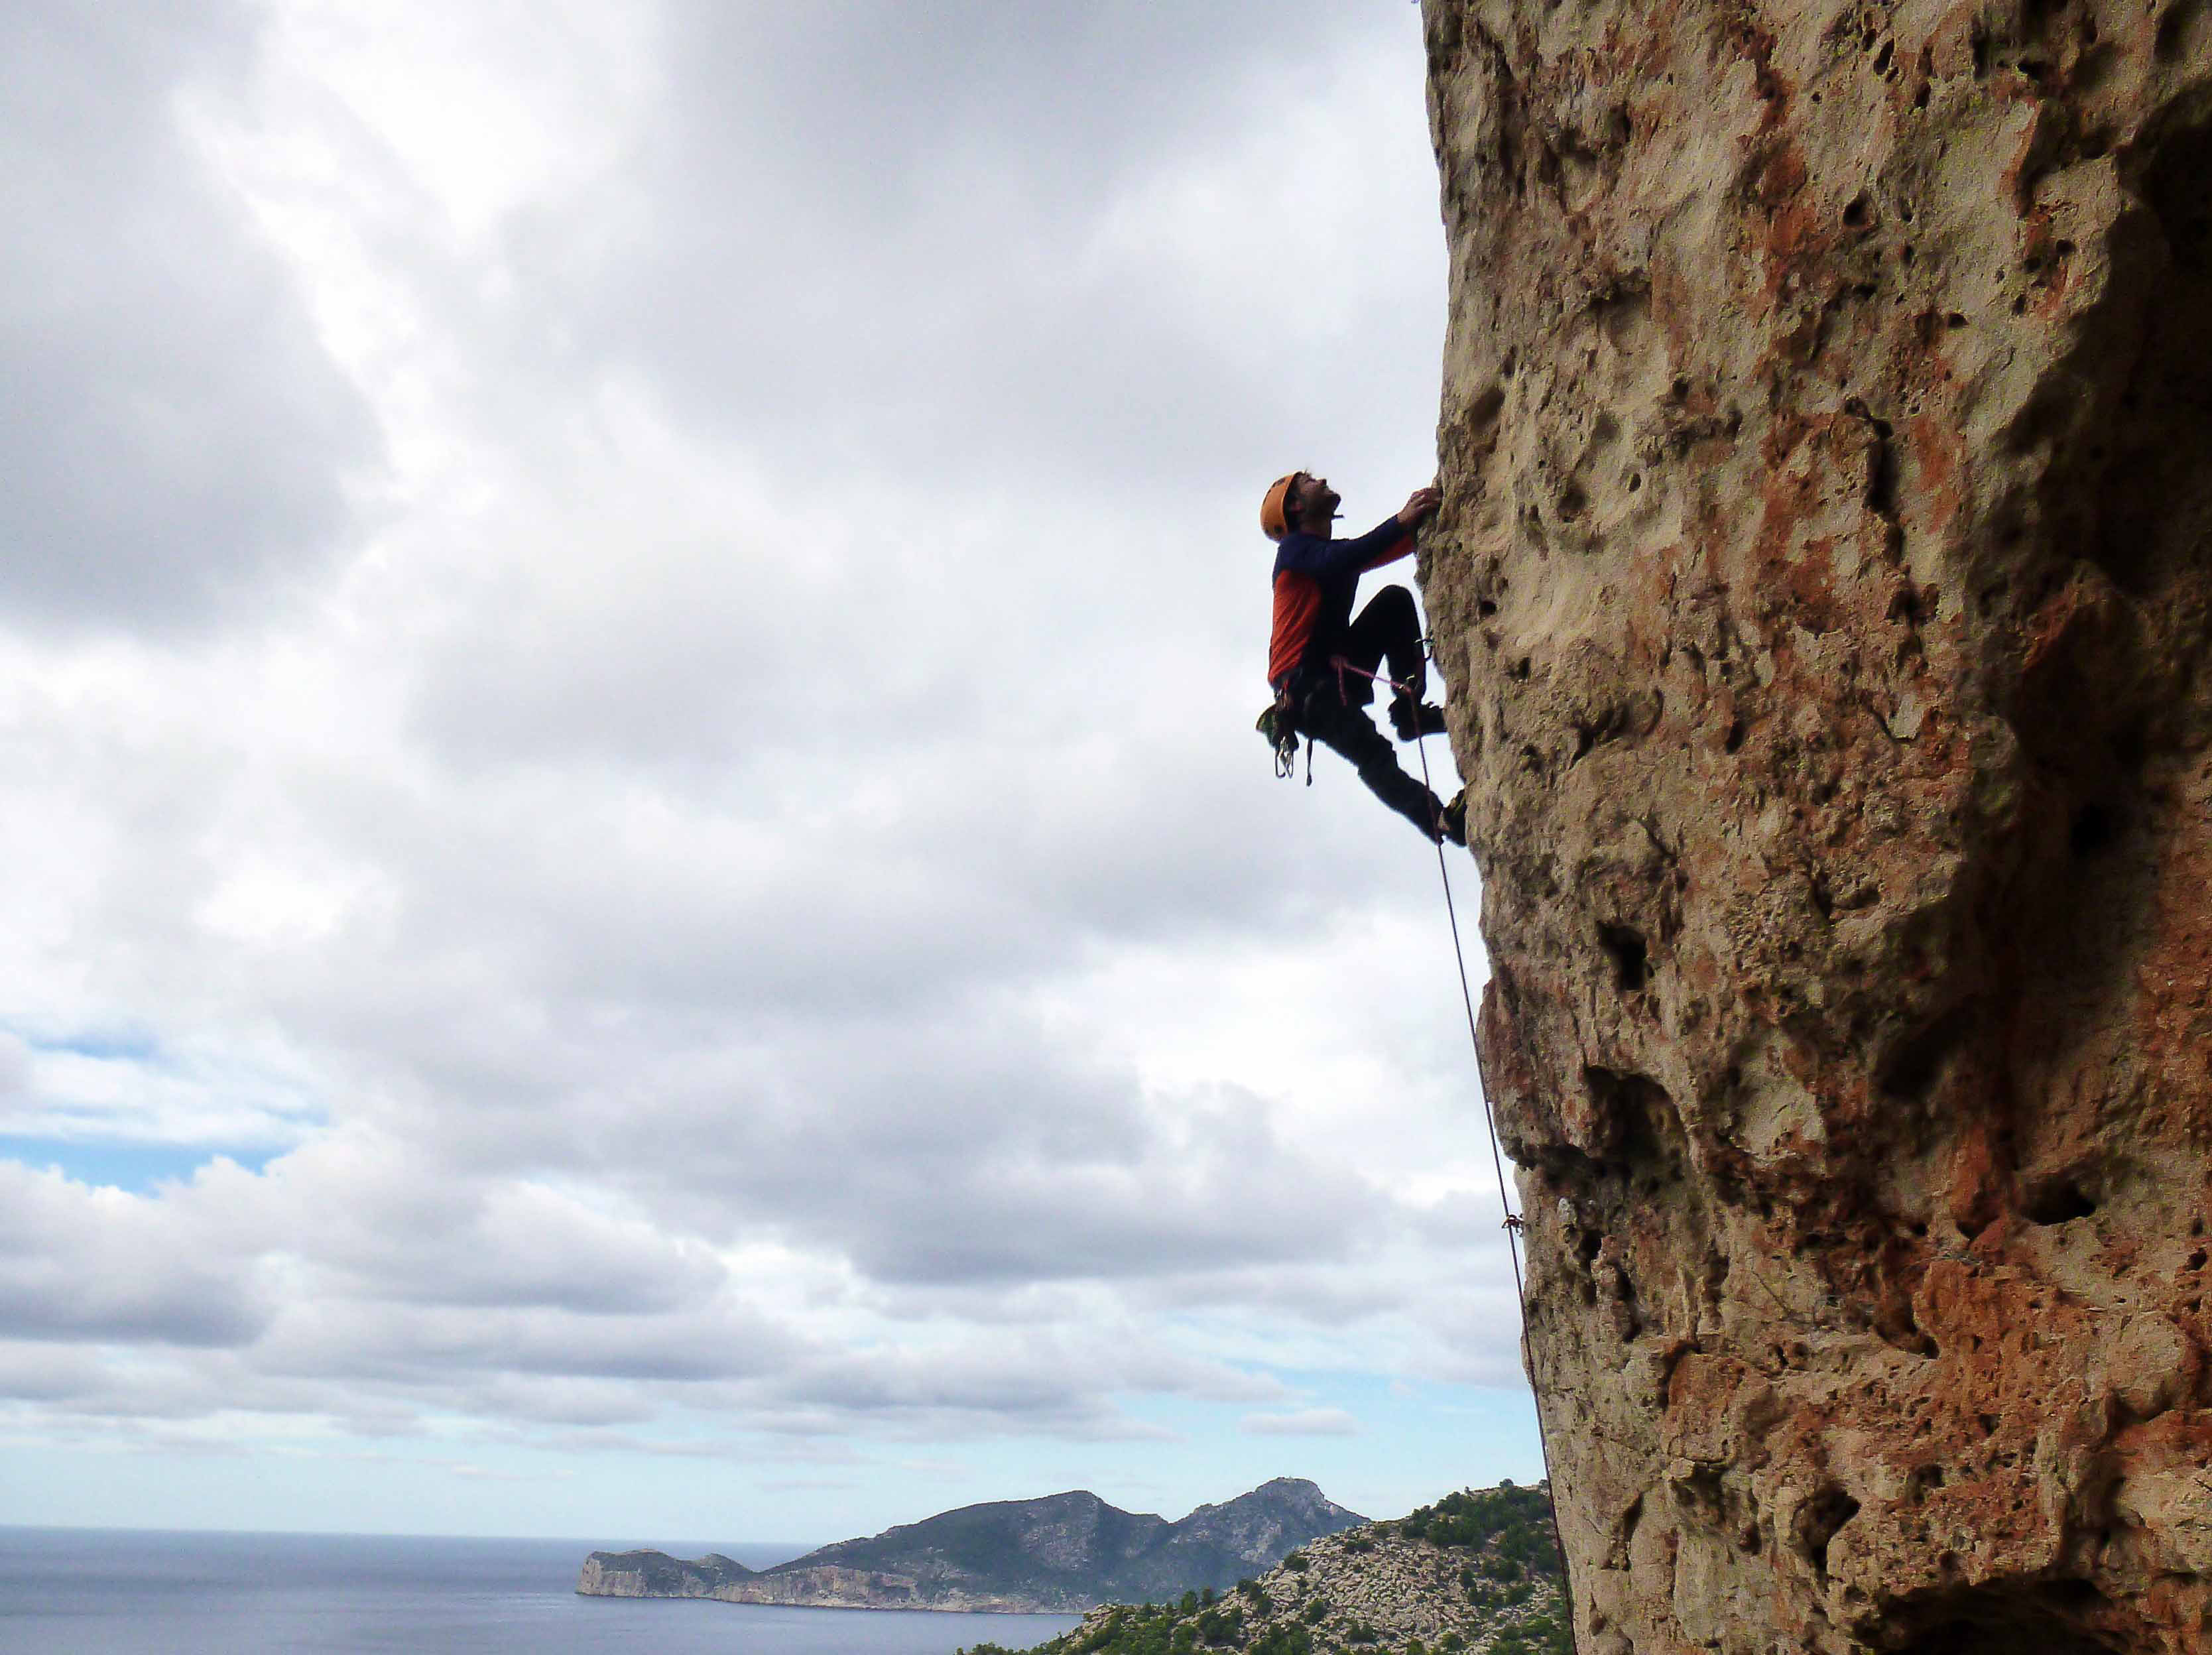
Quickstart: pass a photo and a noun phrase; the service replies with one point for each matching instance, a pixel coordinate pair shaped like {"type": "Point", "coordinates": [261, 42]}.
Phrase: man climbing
{"type": "Point", "coordinates": [1321, 658]}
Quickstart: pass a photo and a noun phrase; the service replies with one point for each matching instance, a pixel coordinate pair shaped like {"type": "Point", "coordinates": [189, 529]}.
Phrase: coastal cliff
{"type": "Point", "coordinates": [1062, 1554]}
{"type": "Point", "coordinates": [1823, 591]}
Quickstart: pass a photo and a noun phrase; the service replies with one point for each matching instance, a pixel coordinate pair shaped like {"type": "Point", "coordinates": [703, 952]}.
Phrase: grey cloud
{"type": "Point", "coordinates": [402, 1227]}
{"type": "Point", "coordinates": [878, 232]}
{"type": "Point", "coordinates": [434, 1347]}
{"type": "Point", "coordinates": [177, 435]}
{"type": "Point", "coordinates": [727, 887]}
{"type": "Point", "coordinates": [82, 1264]}
{"type": "Point", "coordinates": [974, 1152]}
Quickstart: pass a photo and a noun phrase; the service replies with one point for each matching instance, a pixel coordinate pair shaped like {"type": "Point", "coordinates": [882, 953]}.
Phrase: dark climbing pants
{"type": "Point", "coordinates": [1388, 630]}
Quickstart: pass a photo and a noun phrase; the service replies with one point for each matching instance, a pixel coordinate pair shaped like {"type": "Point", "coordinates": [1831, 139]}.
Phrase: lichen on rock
{"type": "Point", "coordinates": [1823, 591]}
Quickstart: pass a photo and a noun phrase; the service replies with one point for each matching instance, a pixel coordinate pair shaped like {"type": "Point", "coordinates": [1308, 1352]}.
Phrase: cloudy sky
{"type": "Point", "coordinates": [643, 903]}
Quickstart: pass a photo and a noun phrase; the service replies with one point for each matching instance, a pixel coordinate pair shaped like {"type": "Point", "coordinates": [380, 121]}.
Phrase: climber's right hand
{"type": "Point", "coordinates": [1419, 505]}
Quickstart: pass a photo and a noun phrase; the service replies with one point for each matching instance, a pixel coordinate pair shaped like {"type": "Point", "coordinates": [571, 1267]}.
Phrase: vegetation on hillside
{"type": "Point", "coordinates": [1508, 1571]}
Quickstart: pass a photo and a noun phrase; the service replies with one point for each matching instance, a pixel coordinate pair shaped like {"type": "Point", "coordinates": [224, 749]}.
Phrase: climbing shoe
{"type": "Point", "coordinates": [1413, 719]}
{"type": "Point", "coordinates": [1453, 821]}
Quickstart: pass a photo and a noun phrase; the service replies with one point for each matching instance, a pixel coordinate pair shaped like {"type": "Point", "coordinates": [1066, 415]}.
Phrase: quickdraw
{"type": "Point", "coordinates": [1280, 724]}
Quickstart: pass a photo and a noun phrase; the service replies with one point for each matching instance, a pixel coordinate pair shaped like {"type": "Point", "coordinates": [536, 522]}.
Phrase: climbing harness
{"type": "Point", "coordinates": [1279, 720]}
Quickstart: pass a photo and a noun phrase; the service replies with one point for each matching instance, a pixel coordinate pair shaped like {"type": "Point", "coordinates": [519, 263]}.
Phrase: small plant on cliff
{"type": "Point", "coordinates": [1298, 1562]}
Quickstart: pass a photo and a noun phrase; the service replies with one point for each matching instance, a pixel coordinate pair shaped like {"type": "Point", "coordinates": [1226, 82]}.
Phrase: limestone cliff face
{"type": "Point", "coordinates": [1823, 591]}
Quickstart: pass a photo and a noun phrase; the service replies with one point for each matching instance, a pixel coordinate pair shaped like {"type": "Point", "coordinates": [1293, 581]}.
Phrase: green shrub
{"type": "Point", "coordinates": [1508, 1529]}
{"type": "Point", "coordinates": [1298, 1562]}
{"type": "Point", "coordinates": [1219, 1626]}
{"type": "Point", "coordinates": [1284, 1640]}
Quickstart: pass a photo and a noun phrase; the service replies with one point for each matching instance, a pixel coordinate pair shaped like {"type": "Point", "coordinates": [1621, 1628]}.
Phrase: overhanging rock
{"type": "Point", "coordinates": [1824, 590]}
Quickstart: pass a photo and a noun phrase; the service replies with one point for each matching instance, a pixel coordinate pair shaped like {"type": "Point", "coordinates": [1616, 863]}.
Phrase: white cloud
{"type": "Point", "coordinates": [1301, 1422]}
{"type": "Point", "coordinates": [664, 794]}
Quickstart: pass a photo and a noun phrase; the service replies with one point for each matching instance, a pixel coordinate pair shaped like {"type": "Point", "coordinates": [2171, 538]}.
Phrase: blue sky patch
{"type": "Point", "coordinates": [135, 1167]}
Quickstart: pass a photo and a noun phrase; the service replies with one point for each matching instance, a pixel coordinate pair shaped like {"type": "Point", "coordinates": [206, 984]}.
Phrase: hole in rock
{"type": "Point", "coordinates": [1854, 213]}
{"type": "Point", "coordinates": [2179, 186]}
{"type": "Point", "coordinates": [1637, 1127]}
{"type": "Point", "coordinates": [1818, 1520]}
{"type": "Point", "coordinates": [2059, 1202]}
{"type": "Point", "coordinates": [1631, 958]}
{"type": "Point", "coordinates": [1996, 1622]}
{"type": "Point", "coordinates": [2167, 45]}
{"type": "Point", "coordinates": [1914, 1064]}
{"type": "Point", "coordinates": [2094, 830]}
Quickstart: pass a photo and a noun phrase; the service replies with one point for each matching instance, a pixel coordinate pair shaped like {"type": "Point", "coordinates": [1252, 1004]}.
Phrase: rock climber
{"type": "Point", "coordinates": [1321, 656]}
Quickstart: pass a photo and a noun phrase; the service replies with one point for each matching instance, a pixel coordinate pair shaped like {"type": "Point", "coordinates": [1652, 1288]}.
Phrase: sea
{"type": "Point", "coordinates": [113, 1591]}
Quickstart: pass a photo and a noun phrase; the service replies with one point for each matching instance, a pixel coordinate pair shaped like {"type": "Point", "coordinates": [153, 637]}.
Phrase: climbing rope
{"type": "Point", "coordinates": [1514, 1224]}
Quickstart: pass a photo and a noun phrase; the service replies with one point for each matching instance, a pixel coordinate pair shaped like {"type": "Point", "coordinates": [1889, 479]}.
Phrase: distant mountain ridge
{"type": "Point", "coordinates": [1063, 1554]}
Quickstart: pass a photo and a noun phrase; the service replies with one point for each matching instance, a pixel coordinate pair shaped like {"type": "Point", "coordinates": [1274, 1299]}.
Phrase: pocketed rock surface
{"type": "Point", "coordinates": [1823, 591]}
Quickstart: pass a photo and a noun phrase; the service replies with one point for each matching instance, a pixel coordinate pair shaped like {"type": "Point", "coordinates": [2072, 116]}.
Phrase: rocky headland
{"type": "Point", "coordinates": [1823, 589]}
{"type": "Point", "coordinates": [1063, 1554]}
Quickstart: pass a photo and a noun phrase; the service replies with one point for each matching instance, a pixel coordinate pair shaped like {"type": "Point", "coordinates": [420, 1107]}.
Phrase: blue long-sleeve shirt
{"type": "Point", "coordinates": [1315, 579]}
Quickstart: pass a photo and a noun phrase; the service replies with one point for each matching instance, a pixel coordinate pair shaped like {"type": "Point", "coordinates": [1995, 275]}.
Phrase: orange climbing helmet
{"type": "Point", "coordinates": [1275, 507]}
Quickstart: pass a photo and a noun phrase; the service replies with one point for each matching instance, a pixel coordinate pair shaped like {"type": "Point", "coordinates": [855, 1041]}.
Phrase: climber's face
{"type": "Point", "coordinates": [1313, 504]}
